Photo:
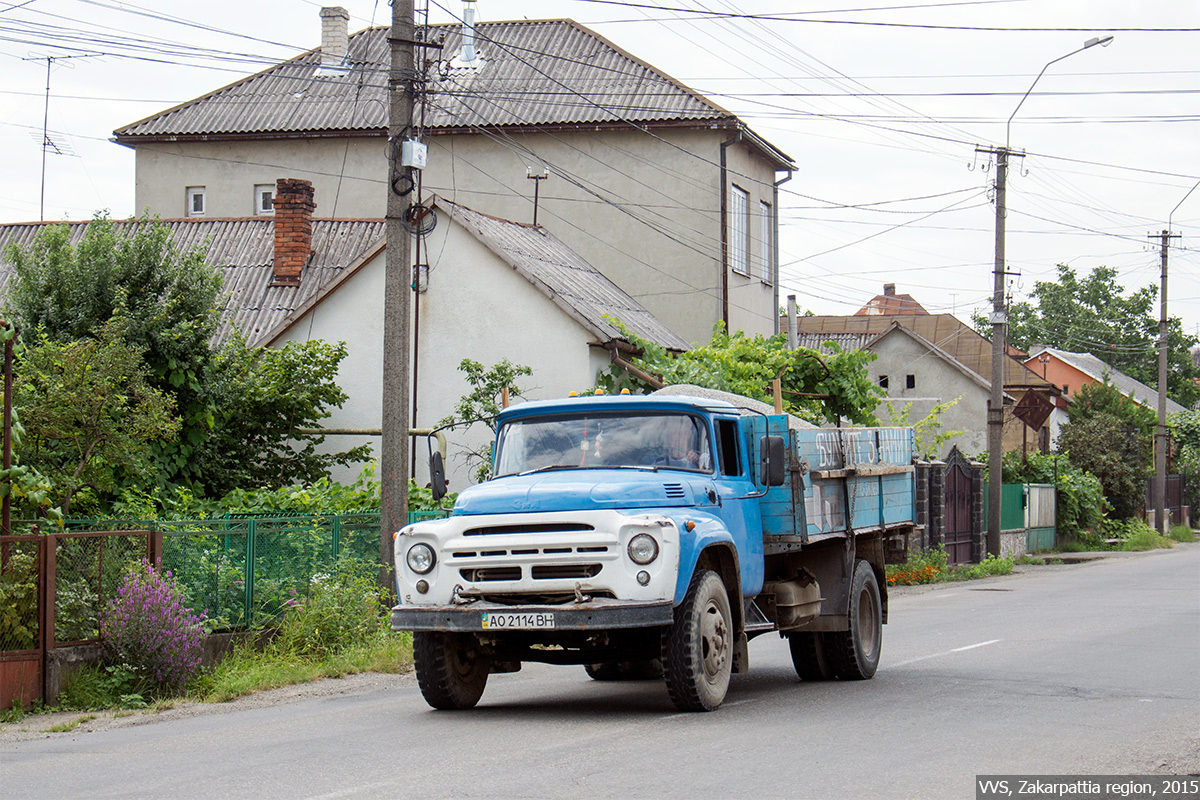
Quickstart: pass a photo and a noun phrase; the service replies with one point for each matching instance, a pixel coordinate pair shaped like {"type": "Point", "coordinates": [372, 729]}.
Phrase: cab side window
{"type": "Point", "coordinates": [727, 448]}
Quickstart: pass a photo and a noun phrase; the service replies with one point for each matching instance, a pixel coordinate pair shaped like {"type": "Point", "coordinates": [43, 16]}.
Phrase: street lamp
{"type": "Point", "coordinates": [999, 317]}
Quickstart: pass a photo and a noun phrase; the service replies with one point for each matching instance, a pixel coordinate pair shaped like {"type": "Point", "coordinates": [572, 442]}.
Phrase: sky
{"type": "Point", "coordinates": [884, 107]}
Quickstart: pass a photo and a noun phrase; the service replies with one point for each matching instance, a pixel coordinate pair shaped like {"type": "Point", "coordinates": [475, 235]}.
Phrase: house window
{"type": "Point", "coordinates": [883, 381]}
{"type": "Point", "coordinates": [910, 382]}
{"type": "Point", "coordinates": [766, 253]}
{"type": "Point", "coordinates": [195, 201]}
{"type": "Point", "coordinates": [264, 195]}
{"type": "Point", "coordinates": [1066, 388]}
{"type": "Point", "coordinates": [739, 230]}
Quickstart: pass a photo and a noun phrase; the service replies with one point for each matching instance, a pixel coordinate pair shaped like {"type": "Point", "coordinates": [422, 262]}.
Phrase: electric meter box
{"type": "Point", "coordinates": [413, 154]}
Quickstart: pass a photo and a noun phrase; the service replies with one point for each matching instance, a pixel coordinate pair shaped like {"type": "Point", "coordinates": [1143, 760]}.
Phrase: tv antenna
{"type": "Point", "coordinates": [56, 142]}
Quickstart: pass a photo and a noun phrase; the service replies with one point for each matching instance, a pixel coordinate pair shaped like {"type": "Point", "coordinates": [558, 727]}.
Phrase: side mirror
{"type": "Point", "coordinates": [771, 460]}
{"type": "Point", "coordinates": [437, 476]}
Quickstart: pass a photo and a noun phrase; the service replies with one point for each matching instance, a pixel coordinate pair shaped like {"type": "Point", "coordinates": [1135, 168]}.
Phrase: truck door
{"type": "Point", "coordinates": [739, 506]}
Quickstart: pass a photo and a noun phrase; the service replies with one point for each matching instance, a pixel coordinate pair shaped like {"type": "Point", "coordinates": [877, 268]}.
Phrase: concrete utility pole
{"type": "Point", "coordinates": [999, 315]}
{"type": "Point", "coordinates": [397, 301]}
{"type": "Point", "coordinates": [1160, 435]}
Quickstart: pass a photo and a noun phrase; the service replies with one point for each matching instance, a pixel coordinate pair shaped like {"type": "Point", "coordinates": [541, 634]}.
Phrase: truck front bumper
{"type": "Point", "coordinates": [596, 614]}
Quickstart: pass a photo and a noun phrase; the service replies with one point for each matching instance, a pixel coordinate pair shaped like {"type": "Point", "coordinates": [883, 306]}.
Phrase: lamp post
{"type": "Point", "coordinates": [999, 317]}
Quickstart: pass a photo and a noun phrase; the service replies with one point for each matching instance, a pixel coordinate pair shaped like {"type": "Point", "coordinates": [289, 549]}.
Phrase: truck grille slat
{"type": "Point", "coordinates": [550, 527]}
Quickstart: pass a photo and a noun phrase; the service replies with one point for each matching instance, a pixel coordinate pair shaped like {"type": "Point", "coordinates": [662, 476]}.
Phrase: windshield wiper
{"type": "Point", "coordinates": [588, 466]}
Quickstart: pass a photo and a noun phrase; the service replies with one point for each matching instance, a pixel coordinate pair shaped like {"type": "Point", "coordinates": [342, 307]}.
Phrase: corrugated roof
{"type": "Point", "coordinates": [1096, 368]}
{"type": "Point", "coordinates": [563, 276]}
{"type": "Point", "coordinates": [945, 331]}
{"type": "Point", "coordinates": [243, 249]}
{"type": "Point", "coordinates": [548, 72]}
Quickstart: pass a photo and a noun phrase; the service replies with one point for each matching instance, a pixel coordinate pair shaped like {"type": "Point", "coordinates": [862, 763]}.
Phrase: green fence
{"type": "Point", "coordinates": [245, 570]}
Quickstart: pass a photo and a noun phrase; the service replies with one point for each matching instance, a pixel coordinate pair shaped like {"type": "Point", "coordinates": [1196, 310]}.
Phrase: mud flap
{"type": "Point", "coordinates": [741, 654]}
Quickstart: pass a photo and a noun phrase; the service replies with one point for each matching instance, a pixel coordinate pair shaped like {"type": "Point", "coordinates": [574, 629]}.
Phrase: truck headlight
{"type": "Point", "coordinates": [420, 558]}
{"type": "Point", "coordinates": [643, 548]}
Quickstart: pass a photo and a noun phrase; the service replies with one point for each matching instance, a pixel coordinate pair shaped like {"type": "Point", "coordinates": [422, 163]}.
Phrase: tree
{"type": "Point", "coordinates": [815, 387]}
{"type": "Point", "coordinates": [1091, 315]}
{"type": "Point", "coordinates": [262, 397]}
{"type": "Point", "coordinates": [89, 412]}
{"type": "Point", "coordinates": [483, 403]}
{"type": "Point", "coordinates": [1109, 436]}
{"type": "Point", "coordinates": [238, 408]}
{"type": "Point", "coordinates": [169, 300]}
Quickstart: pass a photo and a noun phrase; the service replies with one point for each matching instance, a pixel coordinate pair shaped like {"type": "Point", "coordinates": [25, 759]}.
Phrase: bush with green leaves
{"type": "Point", "coordinates": [149, 630]}
{"type": "Point", "coordinates": [19, 601]}
{"type": "Point", "coordinates": [344, 608]}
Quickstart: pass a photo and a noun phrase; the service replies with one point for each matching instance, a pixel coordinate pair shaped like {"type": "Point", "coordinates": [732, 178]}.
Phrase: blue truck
{"type": "Point", "coordinates": [653, 537]}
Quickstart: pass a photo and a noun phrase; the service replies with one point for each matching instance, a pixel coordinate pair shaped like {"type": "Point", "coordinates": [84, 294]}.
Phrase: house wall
{"type": "Point", "coordinates": [347, 173]}
{"type": "Point", "coordinates": [476, 307]}
{"type": "Point", "coordinates": [1061, 374]}
{"type": "Point", "coordinates": [643, 209]}
{"type": "Point", "coordinates": [936, 381]}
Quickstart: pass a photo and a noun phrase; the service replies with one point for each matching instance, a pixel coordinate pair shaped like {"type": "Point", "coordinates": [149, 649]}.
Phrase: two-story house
{"type": "Point", "coordinates": [667, 194]}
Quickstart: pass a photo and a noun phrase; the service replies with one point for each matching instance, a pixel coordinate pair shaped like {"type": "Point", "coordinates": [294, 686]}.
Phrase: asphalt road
{"type": "Point", "coordinates": [1093, 668]}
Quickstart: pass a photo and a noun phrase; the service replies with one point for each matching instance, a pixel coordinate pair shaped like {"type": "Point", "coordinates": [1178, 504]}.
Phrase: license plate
{"type": "Point", "coordinates": [492, 621]}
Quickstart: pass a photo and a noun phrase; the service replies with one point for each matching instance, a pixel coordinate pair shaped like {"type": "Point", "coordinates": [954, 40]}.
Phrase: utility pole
{"type": "Point", "coordinates": [1160, 435]}
{"type": "Point", "coordinates": [999, 320]}
{"type": "Point", "coordinates": [397, 301]}
{"type": "Point", "coordinates": [999, 316]}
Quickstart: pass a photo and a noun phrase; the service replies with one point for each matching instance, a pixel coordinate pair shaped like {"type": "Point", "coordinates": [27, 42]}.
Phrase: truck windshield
{"type": "Point", "coordinates": [648, 441]}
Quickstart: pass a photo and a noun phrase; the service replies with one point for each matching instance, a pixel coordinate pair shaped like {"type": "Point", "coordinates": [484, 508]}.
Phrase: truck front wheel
{"type": "Point", "coordinates": [451, 670]}
{"type": "Point", "coordinates": [855, 652]}
{"type": "Point", "coordinates": [698, 648]}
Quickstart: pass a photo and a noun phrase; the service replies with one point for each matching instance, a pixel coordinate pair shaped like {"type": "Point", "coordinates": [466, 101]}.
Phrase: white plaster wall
{"type": "Point", "coordinates": [644, 210]}
{"type": "Point", "coordinates": [353, 314]}
{"type": "Point", "coordinates": [476, 307]}
{"type": "Point", "coordinates": [936, 382]}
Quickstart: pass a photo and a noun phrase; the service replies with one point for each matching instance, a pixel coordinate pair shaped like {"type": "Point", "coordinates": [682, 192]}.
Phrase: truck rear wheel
{"type": "Point", "coordinates": [855, 652]}
{"type": "Point", "coordinates": [698, 647]}
{"type": "Point", "coordinates": [809, 657]}
{"type": "Point", "coordinates": [451, 670]}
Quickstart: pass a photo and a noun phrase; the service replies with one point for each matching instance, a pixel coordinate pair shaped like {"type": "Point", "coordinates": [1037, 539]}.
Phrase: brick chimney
{"type": "Point", "coordinates": [889, 289]}
{"type": "Point", "coordinates": [294, 208]}
{"type": "Point", "coordinates": [335, 36]}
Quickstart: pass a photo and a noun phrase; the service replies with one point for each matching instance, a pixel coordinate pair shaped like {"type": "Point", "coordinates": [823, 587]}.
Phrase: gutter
{"type": "Point", "coordinates": [725, 229]}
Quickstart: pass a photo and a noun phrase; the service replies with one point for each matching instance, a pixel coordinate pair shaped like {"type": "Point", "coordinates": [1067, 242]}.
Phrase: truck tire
{"type": "Point", "coordinates": [855, 652]}
{"type": "Point", "coordinates": [451, 670]}
{"type": "Point", "coordinates": [650, 669]}
{"type": "Point", "coordinates": [698, 648]}
{"type": "Point", "coordinates": [809, 657]}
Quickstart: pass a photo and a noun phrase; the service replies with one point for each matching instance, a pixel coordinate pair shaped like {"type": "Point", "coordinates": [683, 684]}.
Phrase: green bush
{"type": "Point", "coordinates": [1080, 494]}
{"type": "Point", "coordinates": [342, 610]}
{"type": "Point", "coordinates": [18, 602]}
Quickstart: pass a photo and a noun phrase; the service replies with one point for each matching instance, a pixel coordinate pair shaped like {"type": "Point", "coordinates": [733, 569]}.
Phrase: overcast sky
{"type": "Point", "coordinates": [882, 121]}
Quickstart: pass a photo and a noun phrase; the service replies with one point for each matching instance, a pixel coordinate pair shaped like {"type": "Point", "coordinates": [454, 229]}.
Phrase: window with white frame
{"type": "Point", "coordinates": [739, 230]}
{"type": "Point", "coordinates": [264, 196]}
{"type": "Point", "coordinates": [195, 201]}
{"type": "Point", "coordinates": [766, 238]}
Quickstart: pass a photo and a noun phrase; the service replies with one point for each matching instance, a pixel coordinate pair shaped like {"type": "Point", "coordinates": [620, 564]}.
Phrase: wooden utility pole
{"type": "Point", "coordinates": [397, 301]}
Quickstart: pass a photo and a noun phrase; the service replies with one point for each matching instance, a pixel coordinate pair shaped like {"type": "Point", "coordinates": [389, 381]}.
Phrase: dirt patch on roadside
{"type": "Point", "coordinates": [57, 723]}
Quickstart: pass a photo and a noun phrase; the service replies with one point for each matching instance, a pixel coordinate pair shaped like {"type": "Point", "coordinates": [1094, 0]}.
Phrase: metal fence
{"type": "Point", "coordinates": [245, 570]}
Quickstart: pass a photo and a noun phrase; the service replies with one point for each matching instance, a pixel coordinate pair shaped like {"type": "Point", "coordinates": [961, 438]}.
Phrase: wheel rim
{"type": "Point", "coordinates": [868, 623]}
{"type": "Point", "coordinates": [714, 640]}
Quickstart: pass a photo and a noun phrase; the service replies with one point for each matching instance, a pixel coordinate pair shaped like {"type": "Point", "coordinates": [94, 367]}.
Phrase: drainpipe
{"type": "Point", "coordinates": [775, 256]}
{"type": "Point", "coordinates": [725, 230]}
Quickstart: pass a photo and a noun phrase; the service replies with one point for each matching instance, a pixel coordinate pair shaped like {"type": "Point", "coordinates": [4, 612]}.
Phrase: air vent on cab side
{"type": "Point", "coordinates": [674, 490]}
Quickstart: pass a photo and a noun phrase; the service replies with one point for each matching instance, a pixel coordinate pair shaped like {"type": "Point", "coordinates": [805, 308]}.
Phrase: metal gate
{"type": "Point", "coordinates": [958, 535]}
{"type": "Point", "coordinates": [23, 609]}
